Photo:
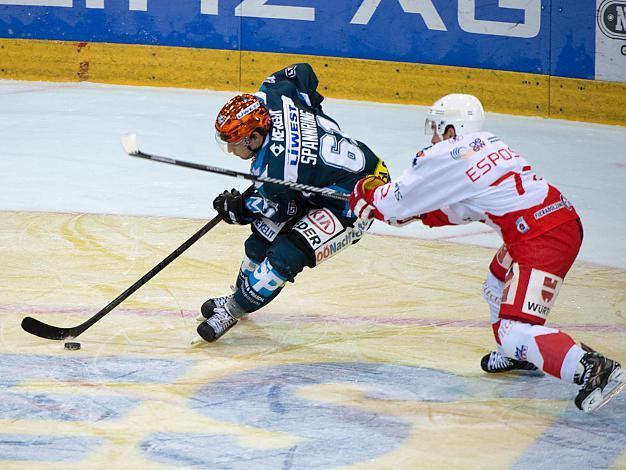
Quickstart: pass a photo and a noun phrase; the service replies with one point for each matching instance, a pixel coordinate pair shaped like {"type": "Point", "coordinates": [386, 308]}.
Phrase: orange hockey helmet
{"type": "Point", "coordinates": [238, 118]}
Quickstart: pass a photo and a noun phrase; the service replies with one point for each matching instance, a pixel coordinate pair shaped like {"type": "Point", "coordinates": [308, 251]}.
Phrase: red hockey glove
{"type": "Point", "coordinates": [436, 218]}
{"type": "Point", "coordinates": [362, 198]}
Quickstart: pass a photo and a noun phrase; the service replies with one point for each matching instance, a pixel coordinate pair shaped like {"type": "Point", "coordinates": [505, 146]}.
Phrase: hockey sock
{"type": "Point", "coordinates": [549, 349]}
{"type": "Point", "coordinates": [561, 356]}
{"type": "Point", "coordinates": [247, 267]}
{"type": "Point", "coordinates": [260, 287]}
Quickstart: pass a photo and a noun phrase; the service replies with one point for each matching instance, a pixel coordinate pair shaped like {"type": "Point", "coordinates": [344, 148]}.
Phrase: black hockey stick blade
{"type": "Point", "coordinates": [44, 330]}
{"type": "Point", "coordinates": [129, 142]}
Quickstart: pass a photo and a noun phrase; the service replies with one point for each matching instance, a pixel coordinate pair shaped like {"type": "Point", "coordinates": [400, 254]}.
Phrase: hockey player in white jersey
{"type": "Point", "coordinates": [468, 175]}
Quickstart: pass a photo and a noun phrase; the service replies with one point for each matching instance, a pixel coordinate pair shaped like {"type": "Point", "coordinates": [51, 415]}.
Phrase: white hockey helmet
{"type": "Point", "coordinates": [464, 112]}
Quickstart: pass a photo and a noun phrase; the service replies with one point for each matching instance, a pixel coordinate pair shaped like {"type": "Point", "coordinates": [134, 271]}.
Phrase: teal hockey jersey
{"type": "Point", "coordinates": [305, 145]}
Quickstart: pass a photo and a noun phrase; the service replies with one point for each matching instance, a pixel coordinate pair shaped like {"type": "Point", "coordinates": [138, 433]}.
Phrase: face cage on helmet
{"type": "Point", "coordinates": [429, 126]}
{"type": "Point", "coordinates": [432, 125]}
{"type": "Point", "coordinates": [223, 144]}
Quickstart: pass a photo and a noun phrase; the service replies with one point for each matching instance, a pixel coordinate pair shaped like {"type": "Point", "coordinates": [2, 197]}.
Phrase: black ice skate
{"type": "Point", "coordinates": [216, 325]}
{"type": "Point", "coordinates": [495, 362]}
{"type": "Point", "coordinates": [601, 380]}
{"type": "Point", "coordinates": [207, 307]}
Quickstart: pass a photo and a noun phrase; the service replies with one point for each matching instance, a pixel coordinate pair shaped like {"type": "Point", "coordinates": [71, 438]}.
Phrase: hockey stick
{"type": "Point", "coordinates": [129, 142]}
{"type": "Point", "coordinates": [43, 330]}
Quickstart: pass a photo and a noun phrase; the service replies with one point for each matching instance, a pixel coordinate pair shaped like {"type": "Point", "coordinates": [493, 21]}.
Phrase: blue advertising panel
{"type": "Point", "coordinates": [434, 33]}
{"type": "Point", "coordinates": [573, 42]}
{"type": "Point", "coordinates": [535, 36]}
{"type": "Point", "coordinates": [150, 22]}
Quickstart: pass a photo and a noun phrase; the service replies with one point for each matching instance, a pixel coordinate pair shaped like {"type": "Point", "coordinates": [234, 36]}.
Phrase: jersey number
{"type": "Point", "coordinates": [338, 149]}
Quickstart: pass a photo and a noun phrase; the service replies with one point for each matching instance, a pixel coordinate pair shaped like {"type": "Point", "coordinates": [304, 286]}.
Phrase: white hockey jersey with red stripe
{"type": "Point", "coordinates": [475, 177]}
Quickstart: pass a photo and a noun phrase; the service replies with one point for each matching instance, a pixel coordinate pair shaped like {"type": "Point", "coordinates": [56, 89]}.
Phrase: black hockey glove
{"type": "Point", "coordinates": [230, 206]}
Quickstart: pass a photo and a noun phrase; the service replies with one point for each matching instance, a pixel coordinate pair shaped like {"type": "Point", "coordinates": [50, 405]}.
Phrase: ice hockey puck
{"type": "Point", "coordinates": [72, 345]}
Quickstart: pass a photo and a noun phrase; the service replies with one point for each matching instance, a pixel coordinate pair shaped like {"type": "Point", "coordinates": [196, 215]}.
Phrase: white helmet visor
{"type": "Point", "coordinates": [227, 147]}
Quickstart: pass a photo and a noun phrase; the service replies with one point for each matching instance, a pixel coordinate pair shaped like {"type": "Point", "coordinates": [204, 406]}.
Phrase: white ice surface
{"type": "Point", "coordinates": [60, 151]}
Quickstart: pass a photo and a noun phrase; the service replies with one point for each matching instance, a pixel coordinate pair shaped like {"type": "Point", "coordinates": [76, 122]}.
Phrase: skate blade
{"type": "Point", "coordinates": [197, 341]}
{"type": "Point", "coordinates": [618, 375]}
{"type": "Point", "coordinates": [599, 398]}
{"type": "Point", "coordinates": [200, 318]}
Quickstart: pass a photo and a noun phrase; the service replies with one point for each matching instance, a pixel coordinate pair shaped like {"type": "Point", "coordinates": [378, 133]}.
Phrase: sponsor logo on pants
{"type": "Point", "coordinates": [541, 293]}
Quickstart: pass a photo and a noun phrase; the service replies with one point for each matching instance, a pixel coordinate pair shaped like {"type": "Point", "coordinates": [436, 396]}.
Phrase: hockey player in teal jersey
{"type": "Point", "coordinates": [284, 133]}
